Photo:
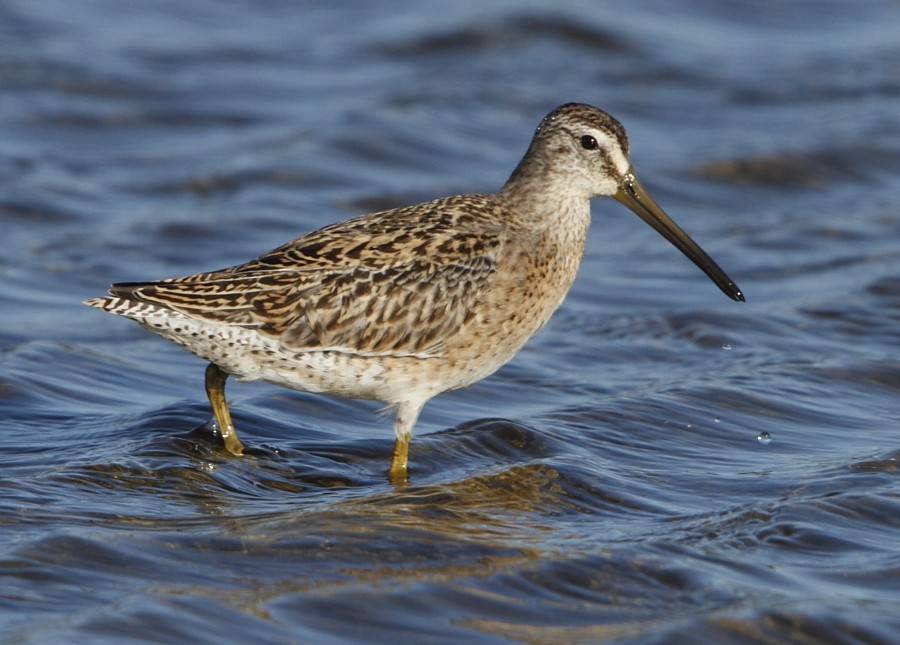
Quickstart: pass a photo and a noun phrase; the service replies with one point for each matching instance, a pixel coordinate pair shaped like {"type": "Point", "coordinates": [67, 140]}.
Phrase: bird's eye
{"type": "Point", "coordinates": [588, 142]}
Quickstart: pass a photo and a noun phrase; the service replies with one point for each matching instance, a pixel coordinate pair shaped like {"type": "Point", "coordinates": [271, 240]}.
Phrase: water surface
{"type": "Point", "coordinates": [609, 484]}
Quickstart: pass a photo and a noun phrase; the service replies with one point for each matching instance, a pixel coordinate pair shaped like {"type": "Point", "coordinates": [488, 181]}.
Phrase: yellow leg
{"type": "Point", "coordinates": [398, 473]}
{"type": "Point", "coordinates": [407, 413]}
{"type": "Point", "coordinates": [215, 390]}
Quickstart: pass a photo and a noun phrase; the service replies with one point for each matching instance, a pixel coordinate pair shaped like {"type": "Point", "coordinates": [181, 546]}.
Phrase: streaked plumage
{"type": "Point", "coordinates": [401, 305]}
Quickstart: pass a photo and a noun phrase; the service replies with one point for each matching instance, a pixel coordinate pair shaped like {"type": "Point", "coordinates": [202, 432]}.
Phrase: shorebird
{"type": "Point", "coordinates": [401, 305]}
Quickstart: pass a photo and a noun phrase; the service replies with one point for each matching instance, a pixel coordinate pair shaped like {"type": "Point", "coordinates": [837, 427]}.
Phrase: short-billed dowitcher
{"type": "Point", "coordinates": [401, 305]}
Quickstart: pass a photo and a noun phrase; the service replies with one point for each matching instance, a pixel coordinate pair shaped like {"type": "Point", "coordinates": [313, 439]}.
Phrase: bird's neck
{"type": "Point", "coordinates": [545, 202]}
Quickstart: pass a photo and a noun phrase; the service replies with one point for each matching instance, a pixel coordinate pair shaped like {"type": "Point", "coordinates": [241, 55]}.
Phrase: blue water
{"type": "Point", "coordinates": [609, 484]}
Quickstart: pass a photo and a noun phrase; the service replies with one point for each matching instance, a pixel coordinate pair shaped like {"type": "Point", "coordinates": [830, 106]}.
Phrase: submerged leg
{"type": "Point", "coordinates": [215, 390]}
{"type": "Point", "coordinates": [407, 413]}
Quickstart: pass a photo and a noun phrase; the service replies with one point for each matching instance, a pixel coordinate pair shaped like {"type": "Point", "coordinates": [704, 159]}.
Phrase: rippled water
{"type": "Point", "coordinates": [659, 465]}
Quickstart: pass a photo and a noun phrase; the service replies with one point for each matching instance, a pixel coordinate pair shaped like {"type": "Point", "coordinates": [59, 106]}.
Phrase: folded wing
{"type": "Point", "coordinates": [364, 287]}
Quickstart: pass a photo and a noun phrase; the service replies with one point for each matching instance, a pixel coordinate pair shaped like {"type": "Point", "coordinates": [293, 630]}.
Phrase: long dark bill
{"type": "Point", "coordinates": [632, 194]}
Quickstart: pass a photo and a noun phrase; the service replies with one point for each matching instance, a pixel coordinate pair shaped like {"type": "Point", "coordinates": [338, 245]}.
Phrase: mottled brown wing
{"type": "Point", "coordinates": [404, 309]}
{"type": "Point", "coordinates": [374, 285]}
{"type": "Point", "coordinates": [217, 297]}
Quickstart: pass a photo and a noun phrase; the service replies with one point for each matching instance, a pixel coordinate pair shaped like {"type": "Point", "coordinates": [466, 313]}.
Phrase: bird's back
{"type": "Point", "coordinates": [440, 282]}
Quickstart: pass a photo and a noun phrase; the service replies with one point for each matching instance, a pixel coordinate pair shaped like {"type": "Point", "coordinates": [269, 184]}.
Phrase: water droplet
{"type": "Point", "coordinates": [764, 438]}
{"type": "Point", "coordinates": [726, 346]}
